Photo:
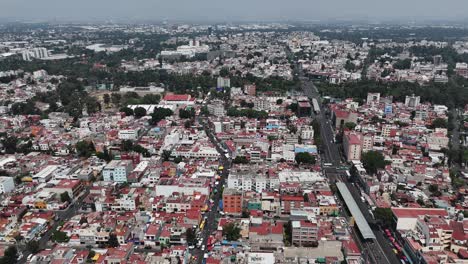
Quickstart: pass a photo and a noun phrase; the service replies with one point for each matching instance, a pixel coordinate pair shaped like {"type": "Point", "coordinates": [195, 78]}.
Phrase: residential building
{"type": "Point", "coordinates": [352, 146]}
{"type": "Point", "coordinates": [117, 171]}
{"type": "Point", "coordinates": [7, 184]}
{"type": "Point", "coordinates": [232, 201]}
{"type": "Point", "coordinates": [304, 232]}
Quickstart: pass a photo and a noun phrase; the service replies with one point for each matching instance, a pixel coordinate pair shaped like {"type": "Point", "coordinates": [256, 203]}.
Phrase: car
{"type": "Point", "coordinates": [191, 247]}
{"type": "Point", "coordinates": [203, 248]}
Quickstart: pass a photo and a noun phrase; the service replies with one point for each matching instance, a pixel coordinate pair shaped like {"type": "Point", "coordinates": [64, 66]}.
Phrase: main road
{"type": "Point", "coordinates": [212, 215]}
{"type": "Point", "coordinates": [379, 251]}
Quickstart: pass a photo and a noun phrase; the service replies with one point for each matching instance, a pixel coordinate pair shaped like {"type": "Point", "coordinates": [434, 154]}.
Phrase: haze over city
{"type": "Point", "coordinates": [240, 10]}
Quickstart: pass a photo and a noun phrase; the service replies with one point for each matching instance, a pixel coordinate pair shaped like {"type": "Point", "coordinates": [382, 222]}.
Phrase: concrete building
{"type": "Point", "coordinates": [412, 101]}
{"type": "Point", "coordinates": [7, 184]}
{"type": "Point", "coordinates": [250, 89]}
{"type": "Point", "coordinates": [128, 134]}
{"type": "Point", "coordinates": [373, 99]}
{"type": "Point", "coordinates": [35, 53]}
{"type": "Point", "coordinates": [352, 145]}
{"type": "Point", "coordinates": [304, 233]}
{"type": "Point", "coordinates": [223, 82]}
{"type": "Point", "coordinates": [232, 201]}
{"type": "Point", "coordinates": [216, 108]}
{"type": "Point", "coordinates": [117, 171]}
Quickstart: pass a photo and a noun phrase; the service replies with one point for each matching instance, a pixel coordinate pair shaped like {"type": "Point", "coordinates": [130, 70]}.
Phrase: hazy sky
{"type": "Point", "coordinates": [229, 10]}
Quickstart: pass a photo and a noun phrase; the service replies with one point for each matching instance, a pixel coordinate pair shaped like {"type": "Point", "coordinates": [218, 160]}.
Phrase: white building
{"type": "Point", "coordinates": [117, 171]}
{"type": "Point", "coordinates": [216, 108]}
{"type": "Point", "coordinates": [7, 184]}
{"type": "Point", "coordinates": [412, 101]}
{"type": "Point", "coordinates": [307, 133]}
{"type": "Point", "coordinates": [131, 134]}
{"type": "Point", "coordinates": [36, 53]}
{"type": "Point", "coordinates": [223, 82]}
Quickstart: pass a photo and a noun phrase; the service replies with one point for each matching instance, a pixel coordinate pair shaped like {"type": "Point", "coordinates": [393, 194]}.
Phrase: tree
{"type": "Point", "coordinates": [183, 113]}
{"type": "Point", "coordinates": [127, 110]}
{"type": "Point", "coordinates": [231, 231]}
{"type": "Point", "coordinates": [204, 111]}
{"type": "Point", "coordinates": [187, 124]}
{"type": "Point", "coordinates": [26, 108]}
{"type": "Point", "coordinates": [439, 123]}
{"type": "Point", "coordinates": [113, 241]}
{"type": "Point", "coordinates": [293, 107]}
{"type": "Point", "coordinates": [65, 197]}
{"type": "Point", "coordinates": [33, 246]}
{"type": "Point", "coordinates": [85, 148]}
{"type": "Point", "coordinates": [190, 236]}
{"type": "Point", "coordinates": [106, 99]}
{"type": "Point", "coordinates": [240, 160]}
{"type": "Point", "coordinates": [287, 227]}
{"type": "Point", "coordinates": [305, 158]}
{"type": "Point", "coordinates": [10, 256]}
{"type": "Point", "coordinates": [127, 145]}
{"type": "Point", "coordinates": [105, 155]}
{"type": "Point", "coordinates": [373, 161]}
{"type": "Point", "coordinates": [166, 155]}
{"type": "Point", "coordinates": [349, 66]}
{"type": "Point", "coordinates": [159, 114]}
{"type": "Point", "coordinates": [350, 125]}
{"type": "Point", "coordinates": [140, 149]}
{"type": "Point", "coordinates": [139, 112]}
{"type": "Point", "coordinates": [384, 215]}
{"type": "Point", "coordinates": [115, 99]}
{"type": "Point", "coordinates": [433, 188]}
{"type": "Point", "coordinates": [224, 72]}
{"type": "Point", "coordinates": [151, 99]}
{"type": "Point", "coordinates": [279, 101]}
{"type": "Point", "coordinates": [402, 64]}
{"type": "Point", "coordinates": [9, 144]}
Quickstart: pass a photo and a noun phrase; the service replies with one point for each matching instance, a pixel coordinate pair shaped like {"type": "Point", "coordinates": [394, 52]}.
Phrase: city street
{"type": "Point", "coordinates": [212, 214]}
{"type": "Point", "coordinates": [379, 250]}
{"type": "Point", "coordinates": [62, 215]}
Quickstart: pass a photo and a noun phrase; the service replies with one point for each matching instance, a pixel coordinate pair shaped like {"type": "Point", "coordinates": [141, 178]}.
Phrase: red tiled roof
{"type": "Point", "coordinates": [177, 97]}
{"type": "Point", "coordinates": [416, 212]}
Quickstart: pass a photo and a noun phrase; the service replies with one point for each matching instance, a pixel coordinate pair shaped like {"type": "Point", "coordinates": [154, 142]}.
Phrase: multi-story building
{"type": "Point", "coordinates": [307, 133]}
{"type": "Point", "coordinates": [373, 99]}
{"type": "Point", "coordinates": [412, 101]}
{"type": "Point", "coordinates": [367, 142]}
{"type": "Point", "coordinates": [461, 68]}
{"type": "Point", "coordinates": [250, 89]}
{"type": "Point", "coordinates": [36, 53]}
{"type": "Point", "coordinates": [352, 145]}
{"type": "Point", "coordinates": [7, 184]}
{"type": "Point", "coordinates": [117, 171]}
{"type": "Point", "coordinates": [290, 202]}
{"type": "Point", "coordinates": [304, 233]}
{"type": "Point", "coordinates": [232, 201]}
{"type": "Point", "coordinates": [216, 108]}
{"type": "Point", "coordinates": [251, 182]}
{"type": "Point", "coordinates": [128, 134]}
{"type": "Point", "coordinates": [223, 82]}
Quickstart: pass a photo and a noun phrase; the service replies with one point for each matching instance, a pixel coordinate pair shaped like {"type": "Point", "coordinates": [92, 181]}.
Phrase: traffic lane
{"type": "Point", "coordinates": [381, 241]}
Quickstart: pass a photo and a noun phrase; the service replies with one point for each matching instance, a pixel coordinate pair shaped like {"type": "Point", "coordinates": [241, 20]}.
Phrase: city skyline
{"type": "Point", "coordinates": [223, 11]}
